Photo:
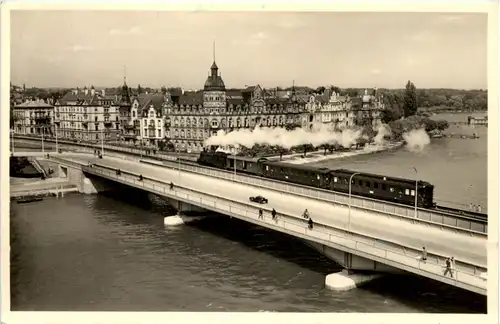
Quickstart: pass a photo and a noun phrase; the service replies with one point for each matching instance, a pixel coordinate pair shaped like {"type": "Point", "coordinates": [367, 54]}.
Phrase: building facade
{"type": "Point", "coordinates": [87, 116]}
{"type": "Point", "coordinates": [194, 116]}
{"type": "Point", "coordinates": [343, 111]}
{"type": "Point", "coordinates": [33, 117]}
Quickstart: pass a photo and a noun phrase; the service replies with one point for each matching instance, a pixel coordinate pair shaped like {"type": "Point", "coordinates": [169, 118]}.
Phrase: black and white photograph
{"type": "Point", "coordinates": [272, 161]}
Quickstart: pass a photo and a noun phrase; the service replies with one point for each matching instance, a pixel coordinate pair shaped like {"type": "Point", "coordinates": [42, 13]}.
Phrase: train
{"type": "Point", "coordinates": [392, 189]}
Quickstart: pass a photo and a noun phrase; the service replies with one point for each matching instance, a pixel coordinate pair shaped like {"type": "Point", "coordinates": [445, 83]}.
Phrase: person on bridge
{"type": "Point", "coordinates": [311, 223]}
{"type": "Point", "coordinates": [273, 213]}
{"type": "Point", "coordinates": [140, 177]}
{"type": "Point", "coordinates": [171, 185]}
{"type": "Point", "coordinates": [118, 172]}
{"type": "Point", "coordinates": [306, 214]}
{"type": "Point", "coordinates": [448, 268]}
{"type": "Point", "coordinates": [424, 255]}
{"type": "Point", "coordinates": [261, 214]}
{"type": "Point", "coordinates": [479, 208]}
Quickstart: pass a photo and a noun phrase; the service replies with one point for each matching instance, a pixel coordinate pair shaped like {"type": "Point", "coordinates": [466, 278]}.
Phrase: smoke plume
{"type": "Point", "coordinates": [416, 140]}
{"type": "Point", "coordinates": [319, 134]}
{"type": "Point", "coordinates": [382, 131]}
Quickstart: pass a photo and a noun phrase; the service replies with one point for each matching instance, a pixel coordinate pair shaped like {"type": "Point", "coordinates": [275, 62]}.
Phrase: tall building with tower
{"type": "Point", "coordinates": [194, 116]}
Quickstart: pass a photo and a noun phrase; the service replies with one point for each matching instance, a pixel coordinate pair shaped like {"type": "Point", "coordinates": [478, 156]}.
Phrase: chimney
{"type": "Point", "coordinates": [103, 92]}
{"type": "Point", "coordinates": [92, 92]}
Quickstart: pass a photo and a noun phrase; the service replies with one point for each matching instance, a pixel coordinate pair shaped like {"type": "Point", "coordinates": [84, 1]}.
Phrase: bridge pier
{"type": "Point", "coordinates": [357, 270]}
{"type": "Point", "coordinates": [186, 213]}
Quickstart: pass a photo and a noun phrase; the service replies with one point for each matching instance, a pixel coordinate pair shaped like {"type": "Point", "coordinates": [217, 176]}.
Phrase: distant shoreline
{"type": "Point", "coordinates": [318, 156]}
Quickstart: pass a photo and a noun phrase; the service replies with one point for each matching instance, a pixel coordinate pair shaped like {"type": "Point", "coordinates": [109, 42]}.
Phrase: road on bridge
{"type": "Point", "coordinates": [465, 248]}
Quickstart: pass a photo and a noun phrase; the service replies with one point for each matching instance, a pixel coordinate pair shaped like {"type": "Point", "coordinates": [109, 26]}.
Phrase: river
{"type": "Point", "coordinates": [111, 253]}
{"type": "Point", "coordinates": [456, 167]}
{"type": "Point", "coordinates": [105, 253]}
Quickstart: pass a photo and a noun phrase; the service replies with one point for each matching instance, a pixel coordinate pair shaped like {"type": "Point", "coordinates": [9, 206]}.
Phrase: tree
{"type": "Point", "coordinates": [335, 89]}
{"type": "Point", "coordinates": [442, 125]}
{"type": "Point", "coordinates": [410, 99]}
{"type": "Point", "coordinates": [320, 90]}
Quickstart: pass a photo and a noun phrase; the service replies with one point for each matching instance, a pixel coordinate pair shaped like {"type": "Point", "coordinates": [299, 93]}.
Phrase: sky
{"type": "Point", "coordinates": [345, 49]}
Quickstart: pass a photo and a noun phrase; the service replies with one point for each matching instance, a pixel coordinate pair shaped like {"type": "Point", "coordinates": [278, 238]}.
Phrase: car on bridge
{"type": "Point", "coordinates": [259, 199]}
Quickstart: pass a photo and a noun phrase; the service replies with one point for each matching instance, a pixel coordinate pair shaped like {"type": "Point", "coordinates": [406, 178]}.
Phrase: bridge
{"type": "Point", "coordinates": [367, 236]}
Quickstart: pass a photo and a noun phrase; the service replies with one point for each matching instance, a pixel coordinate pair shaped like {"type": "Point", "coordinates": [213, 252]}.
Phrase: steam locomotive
{"type": "Point", "coordinates": [398, 190]}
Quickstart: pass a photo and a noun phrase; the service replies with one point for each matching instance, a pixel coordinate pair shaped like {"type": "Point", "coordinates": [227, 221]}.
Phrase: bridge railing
{"type": "Point", "coordinates": [360, 245]}
{"type": "Point", "coordinates": [445, 220]}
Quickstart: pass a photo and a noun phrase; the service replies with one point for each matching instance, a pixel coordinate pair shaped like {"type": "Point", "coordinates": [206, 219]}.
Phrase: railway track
{"type": "Point", "coordinates": [468, 213]}
{"type": "Point", "coordinates": [459, 213]}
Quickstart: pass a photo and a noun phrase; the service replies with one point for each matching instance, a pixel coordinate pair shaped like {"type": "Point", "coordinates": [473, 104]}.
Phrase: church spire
{"type": "Point", "coordinates": [125, 74]}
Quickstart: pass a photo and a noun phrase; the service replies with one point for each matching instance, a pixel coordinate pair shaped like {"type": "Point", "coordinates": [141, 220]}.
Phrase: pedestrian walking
{"type": "Point", "coordinates": [261, 216]}
{"type": "Point", "coordinates": [424, 255]}
{"type": "Point", "coordinates": [273, 213]}
{"type": "Point", "coordinates": [311, 223]}
{"type": "Point", "coordinates": [448, 268]}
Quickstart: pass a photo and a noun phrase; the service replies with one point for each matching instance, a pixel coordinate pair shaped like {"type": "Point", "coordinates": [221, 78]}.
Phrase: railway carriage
{"type": "Point", "coordinates": [381, 187]}
{"type": "Point", "coordinates": [301, 174]}
{"type": "Point", "coordinates": [246, 164]}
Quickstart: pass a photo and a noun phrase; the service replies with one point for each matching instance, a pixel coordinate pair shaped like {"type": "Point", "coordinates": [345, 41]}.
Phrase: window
{"type": "Point", "coordinates": [384, 187]}
{"type": "Point", "coordinates": [360, 183]}
{"type": "Point", "coordinates": [375, 185]}
{"type": "Point", "coordinates": [95, 118]}
{"type": "Point", "coordinates": [145, 132]}
{"type": "Point", "coordinates": [334, 179]}
{"type": "Point", "coordinates": [391, 189]}
{"type": "Point", "coordinates": [318, 177]}
{"type": "Point", "coordinates": [407, 192]}
{"type": "Point", "coordinates": [159, 133]}
{"type": "Point", "coordinates": [413, 193]}
{"type": "Point", "coordinates": [367, 183]}
{"type": "Point", "coordinates": [267, 167]}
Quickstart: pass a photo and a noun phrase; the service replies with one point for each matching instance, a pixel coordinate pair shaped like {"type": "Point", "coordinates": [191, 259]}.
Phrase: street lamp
{"type": "Point", "coordinates": [12, 132]}
{"type": "Point", "coordinates": [350, 185]}
{"type": "Point", "coordinates": [102, 142]}
{"type": "Point", "coordinates": [57, 148]}
{"type": "Point", "coordinates": [43, 150]}
{"type": "Point", "coordinates": [416, 191]}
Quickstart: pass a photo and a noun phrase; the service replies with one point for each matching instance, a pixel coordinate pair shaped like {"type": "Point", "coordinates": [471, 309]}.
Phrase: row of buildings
{"type": "Point", "coordinates": [188, 118]}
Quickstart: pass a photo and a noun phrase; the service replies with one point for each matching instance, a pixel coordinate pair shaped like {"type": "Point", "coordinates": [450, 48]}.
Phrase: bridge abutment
{"type": "Point", "coordinates": [357, 270]}
{"type": "Point", "coordinates": [86, 184]}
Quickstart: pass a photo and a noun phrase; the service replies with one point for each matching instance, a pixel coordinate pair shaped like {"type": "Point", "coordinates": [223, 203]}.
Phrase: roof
{"type": "Point", "coordinates": [214, 81]}
{"type": "Point", "coordinates": [248, 159]}
{"type": "Point", "coordinates": [34, 104]}
{"type": "Point", "coordinates": [191, 98]}
{"type": "Point", "coordinates": [146, 100]}
{"type": "Point", "coordinates": [298, 166]}
{"type": "Point", "coordinates": [379, 176]}
{"type": "Point", "coordinates": [80, 99]}
{"type": "Point", "coordinates": [249, 89]}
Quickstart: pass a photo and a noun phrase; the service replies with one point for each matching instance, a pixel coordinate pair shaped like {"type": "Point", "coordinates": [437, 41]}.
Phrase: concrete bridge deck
{"type": "Point", "coordinates": [391, 236]}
